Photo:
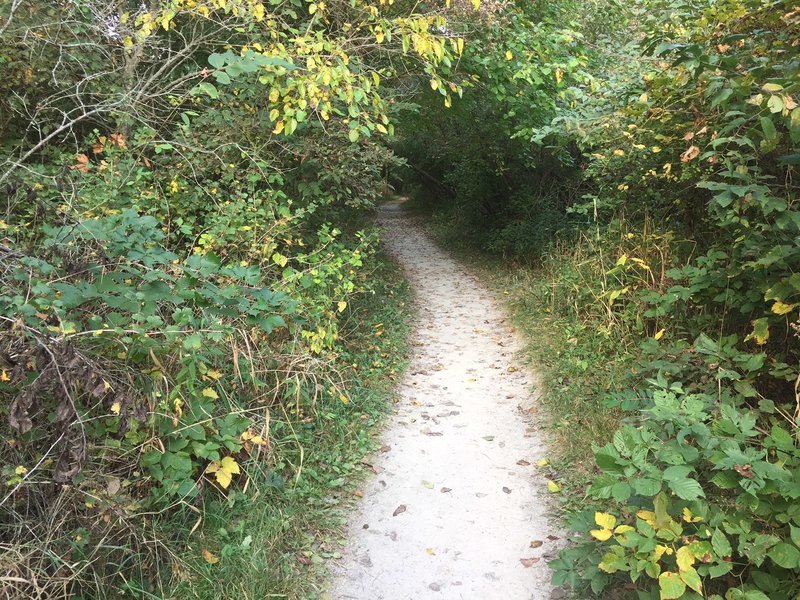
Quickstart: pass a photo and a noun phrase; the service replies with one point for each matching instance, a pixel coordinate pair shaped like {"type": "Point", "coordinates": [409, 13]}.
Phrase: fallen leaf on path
{"type": "Point", "coordinates": [444, 490]}
{"type": "Point", "coordinates": [428, 484]}
{"type": "Point", "coordinates": [304, 560]}
{"type": "Point", "coordinates": [358, 494]}
{"type": "Point", "coordinates": [543, 463]}
{"type": "Point", "coordinates": [536, 544]}
{"type": "Point", "coordinates": [553, 487]}
{"type": "Point", "coordinates": [385, 448]}
{"type": "Point", "coordinates": [399, 510]}
{"type": "Point", "coordinates": [552, 538]}
{"type": "Point", "coordinates": [480, 494]}
{"type": "Point", "coordinates": [489, 438]}
{"type": "Point", "coordinates": [430, 551]}
{"type": "Point", "coordinates": [523, 463]}
{"type": "Point", "coordinates": [209, 557]}
{"type": "Point", "coordinates": [506, 490]}
{"type": "Point", "coordinates": [528, 562]}
{"type": "Point", "coordinates": [512, 369]}
{"type": "Point", "coordinates": [432, 433]}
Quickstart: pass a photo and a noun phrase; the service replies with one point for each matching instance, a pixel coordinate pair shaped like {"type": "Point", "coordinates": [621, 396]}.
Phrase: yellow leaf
{"type": "Point", "coordinates": [647, 516]}
{"type": "Point", "coordinates": [553, 487]}
{"type": "Point", "coordinates": [380, 36]}
{"type": "Point", "coordinates": [209, 558]}
{"type": "Point", "coordinates": [210, 393]}
{"type": "Point", "coordinates": [4, 376]}
{"type": "Point", "coordinates": [509, 55]}
{"type": "Point", "coordinates": [434, 84]}
{"type": "Point", "coordinates": [659, 552]}
{"type": "Point", "coordinates": [279, 259]}
{"type": "Point", "coordinates": [659, 334]}
{"type": "Point", "coordinates": [559, 75]}
{"type": "Point", "coordinates": [224, 470]}
{"type": "Point", "coordinates": [20, 470]}
{"type": "Point", "coordinates": [619, 152]}
{"type": "Point", "coordinates": [214, 374]}
{"type": "Point", "coordinates": [605, 520]}
{"type": "Point", "coordinates": [341, 306]}
{"type": "Point", "coordinates": [684, 558]}
{"type": "Point", "coordinates": [601, 534]}
{"type": "Point", "coordinates": [689, 517]}
{"type": "Point", "coordinates": [476, 4]}
{"type": "Point", "coordinates": [624, 529]}
{"type": "Point", "coordinates": [116, 407]}
{"type": "Point", "coordinates": [542, 463]}
{"type": "Point", "coordinates": [344, 399]}
{"type": "Point", "coordinates": [781, 308]}
{"type": "Point", "coordinates": [258, 13]}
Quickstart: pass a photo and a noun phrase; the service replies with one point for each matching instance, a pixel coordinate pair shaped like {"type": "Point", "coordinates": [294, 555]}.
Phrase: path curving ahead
{"type": "Point", "coordinates": [456, 509]}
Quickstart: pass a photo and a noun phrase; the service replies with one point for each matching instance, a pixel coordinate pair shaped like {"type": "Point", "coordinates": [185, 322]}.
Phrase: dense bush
{"type": "Point", "coordinates": [187, 185]}
{"type": "Point", "coordinates": [661, 184]}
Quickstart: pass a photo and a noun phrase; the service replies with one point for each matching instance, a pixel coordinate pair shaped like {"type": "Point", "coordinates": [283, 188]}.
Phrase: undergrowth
{"type": "Point", "coordinates": [274, 543]}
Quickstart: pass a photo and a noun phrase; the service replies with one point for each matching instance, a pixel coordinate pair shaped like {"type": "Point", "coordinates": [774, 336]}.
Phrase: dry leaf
{"type": "Point", "coordinates": [528, 562]}
{"type": "Point", "coordinates": [81, 163]}
{"type": "Point", "coordinates": [536, 544]}
{"type": "Point", "coordinates": [506, 490]}
{"type": "Point", "coordinates": [118, 140]}
{"type": "Point", "coordinates": [444, 490]}
{"type": "Point", "coordinates": [523, 463]}
{"type": "Point", "coordinates": [209, 557]}
{"type": "Point", "coordinates": [690, 154]}
{"type": "Point", "coordinates": [399, 510]}
{"type": "Point", "coordinates": [113, 485]}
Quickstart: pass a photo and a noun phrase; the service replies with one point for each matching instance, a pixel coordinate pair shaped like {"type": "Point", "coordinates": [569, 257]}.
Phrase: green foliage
{"type": "Point", "coordinates": [658, 190]}
{"type": "Point", "coordinates": [186, 236]}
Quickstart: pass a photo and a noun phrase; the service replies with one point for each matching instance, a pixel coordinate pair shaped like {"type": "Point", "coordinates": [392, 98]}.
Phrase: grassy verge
{"type": "Point", "coordinates": [273, 542]}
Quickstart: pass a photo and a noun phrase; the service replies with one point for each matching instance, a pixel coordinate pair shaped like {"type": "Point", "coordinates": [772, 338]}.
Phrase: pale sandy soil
{"type": "Point", "coordinates": [457, 502]}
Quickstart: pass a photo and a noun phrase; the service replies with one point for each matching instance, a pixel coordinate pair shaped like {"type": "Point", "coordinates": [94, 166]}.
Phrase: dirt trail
{"type": "Point", "coordinates": [457, 501]}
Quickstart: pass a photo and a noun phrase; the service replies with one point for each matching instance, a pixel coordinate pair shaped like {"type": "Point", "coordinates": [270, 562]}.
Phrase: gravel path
{"type": "Point", "coordinates": [456, 509]}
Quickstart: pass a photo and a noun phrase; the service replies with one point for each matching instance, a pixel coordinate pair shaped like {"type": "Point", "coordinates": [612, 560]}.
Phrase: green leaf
{"type": "Point", "coordinates": [775, 104]}
{"type": "Point", "coordinates": [353, 135]}
{"type": "Point", "coordinates": [193, 342]}
{"type": "Point", "coordinates": [768, 127]}
{"type": "Point", "coordinates": [720, 543]}
{"type": "Point", "coordinates": [208, 89]}
{"type": "Point", "coordinates": [785, 555]}
{"type": "Point", "coordinates": [687, 489]}
{"type": "Point", "coordinates": [216, 60]}
{"type": "Point", "coordinates": [646, 486]}
{"type": "Point", "coordinates": [222, 77]}
{"type": "Point", "coordinates": [692, 579]}
{"type": "Point", "coordinates": [671, 586]}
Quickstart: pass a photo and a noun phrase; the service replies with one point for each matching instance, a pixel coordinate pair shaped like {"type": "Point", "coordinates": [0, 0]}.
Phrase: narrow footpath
{"type": "Point", "coordinates": [457, 509]}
